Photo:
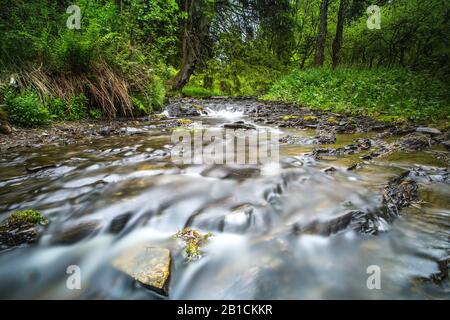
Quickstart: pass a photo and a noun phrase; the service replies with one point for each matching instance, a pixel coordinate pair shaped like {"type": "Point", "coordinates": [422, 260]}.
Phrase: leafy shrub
{"type": "Point", "coordinates": [26, 109]}
{"type": "Point", "coordinates": [139, 107]}
{"type": "Point", "coordinates": [150, 99]}
{"type": "Point", "coordinates": [95, 114]}
{"type": "Point", "coordinates": [75, 108]}
{"type": "Point", "coordinates": [155, 92]}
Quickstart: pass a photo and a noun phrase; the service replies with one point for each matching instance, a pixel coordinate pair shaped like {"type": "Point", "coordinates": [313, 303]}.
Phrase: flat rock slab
{"type": "Point", "coordinates": [148, 265]}
{"type": "Point", "coordinates": [430, 131]}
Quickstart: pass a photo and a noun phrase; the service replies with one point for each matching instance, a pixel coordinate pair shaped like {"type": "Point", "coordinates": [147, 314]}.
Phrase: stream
{"type": "Point", "coordinates": [104, 196]}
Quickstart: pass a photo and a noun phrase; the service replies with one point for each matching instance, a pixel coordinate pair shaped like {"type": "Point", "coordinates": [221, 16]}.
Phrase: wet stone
{"type": "Point", "coordinates": [76, 233]}
{"type": "Point", "coordinates": [239, 125]}
{"type": "Point", "coordinates": [400, 193]}
{"type": "Point", "coordinates": [427, 130]}
{"type": "Point", "coordinates": [150, 266]}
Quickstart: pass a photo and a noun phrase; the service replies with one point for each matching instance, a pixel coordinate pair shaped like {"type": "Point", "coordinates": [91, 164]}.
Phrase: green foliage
{"type": "Point", "coordinates": [386, 93]}
{"type": "Point", "coordinates": [414, 33]}
{"type": "Point", "coordinates": [150, 99]}
{"type": "Point", "coordinates": [75, 108]}
{"type": "Point", "coordinates": [119, 52]}
{"type": "Point", "coordinates": [26, 109]}
{"type": "Point", "coordinates": [27, 216]}
{"type": "Point", "coordinates": [199, 92]}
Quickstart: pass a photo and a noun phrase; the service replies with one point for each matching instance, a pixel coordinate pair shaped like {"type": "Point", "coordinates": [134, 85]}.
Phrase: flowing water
{"type": "Point", "coordinates": [117, 191]}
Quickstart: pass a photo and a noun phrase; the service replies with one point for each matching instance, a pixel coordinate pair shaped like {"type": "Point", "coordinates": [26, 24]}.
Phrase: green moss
{"type": "Point", "coordinates": [198, 107]}
{"type": "Point", "coordinates": [310, 118]}
{"type": "Point", "coordinates": [332, 120]}
{"type": "Point", "coordinates": [289, 117]}
{"type": "Point", "coordinates": [27, 217]}
{"type": "Point", "coordinates": [193, 240]}
{"type": "Point", "coordinates": [184, 121]}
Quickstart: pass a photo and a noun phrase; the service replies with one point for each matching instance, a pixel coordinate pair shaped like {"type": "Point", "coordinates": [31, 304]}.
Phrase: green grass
{"type": "Point", "coordinates": [389, 95]}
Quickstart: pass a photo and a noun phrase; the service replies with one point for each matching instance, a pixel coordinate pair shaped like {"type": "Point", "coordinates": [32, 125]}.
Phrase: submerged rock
{"type": "Point", "coordinates": [329, 170]}
{"type": "Point", "coordinates": [40, 168]}
{"type": "Point", "coordinates": [22, 227]}
{"type": "Point", "coordinates": [148, 265]}
{"type": "Point", "coordinates": [239, 125]}
{"type": "Point", "coordinates": [415, 142]}
{"type": "Point", "coordinates": [76, 233]}
{"type": "Point", "coordinates": [400, 193]}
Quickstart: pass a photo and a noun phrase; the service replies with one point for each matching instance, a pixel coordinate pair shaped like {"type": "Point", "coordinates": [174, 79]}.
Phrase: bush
{"type": "Point", "coordinates": [76, 108]}
{"type": "Point", "coordinates": [390, 94]}
{"type": "Point", "coordinates": [152, 98]}
{"type": "Point", "coordinates": [26, 109]}
{"type": "Point", "coordinates": [155, 93]}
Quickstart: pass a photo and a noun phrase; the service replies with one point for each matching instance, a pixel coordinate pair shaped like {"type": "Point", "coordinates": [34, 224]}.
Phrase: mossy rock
{"type": "Point", "coordinates": [27, 216]}
{"type": "Point", "coordinates": [332, 120]}
{"type": "Point", "coordinates": [193, 241]}
{"type": "Point", "coordinates": [21, 227]}
{"type": "Point", "coordinates": [198, 107]}
{"type": "Point", "coordinates": [289, 117]}
{"type": "Point", "coordinates": [310, 118]}
{"type": "Point", "coordinates": [184, 121]}
{"type": "Point", "coordinates": [158, 117]}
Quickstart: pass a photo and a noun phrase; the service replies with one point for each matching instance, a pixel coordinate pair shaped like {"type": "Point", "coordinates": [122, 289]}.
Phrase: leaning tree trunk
{"type": "Point", "coordinates": [337, 42]}
{"type": "Point", "coordinates": [195, 40]}
{"type": "Point", "coordinates": [320, 48]}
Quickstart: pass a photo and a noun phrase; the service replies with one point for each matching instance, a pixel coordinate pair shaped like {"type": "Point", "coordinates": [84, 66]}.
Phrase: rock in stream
{"type": "Point", "coordinates": [148, 265]}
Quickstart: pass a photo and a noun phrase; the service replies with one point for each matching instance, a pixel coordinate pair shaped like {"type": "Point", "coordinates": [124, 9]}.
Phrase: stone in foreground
{"type": "Point", "coordinates": [148, 265]}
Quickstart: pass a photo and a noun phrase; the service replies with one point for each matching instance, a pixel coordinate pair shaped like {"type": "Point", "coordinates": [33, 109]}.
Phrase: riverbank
{"type": "Point", "coordinates": [284, 115]}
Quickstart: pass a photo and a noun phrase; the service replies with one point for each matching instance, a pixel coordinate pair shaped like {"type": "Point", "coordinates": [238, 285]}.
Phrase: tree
{"type": "Point", "coordinates": [196, 38]}
{"type": "Point", "coordinates": [337, 42]}
{"type": "Point", "coordinates": [323, 25]}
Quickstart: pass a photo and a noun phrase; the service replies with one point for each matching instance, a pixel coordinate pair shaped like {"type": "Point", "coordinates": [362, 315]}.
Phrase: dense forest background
{"type": "Point", "coordinates": [128, 56]}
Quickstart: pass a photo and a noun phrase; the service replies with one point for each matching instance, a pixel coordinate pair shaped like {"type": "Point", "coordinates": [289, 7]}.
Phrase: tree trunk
{"type": "Point", "coordinates": [320, 48]}
{"type": "Point", "coordinates": [337, 42]}
{"type": "Point", "coordinates": [195, 40]}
